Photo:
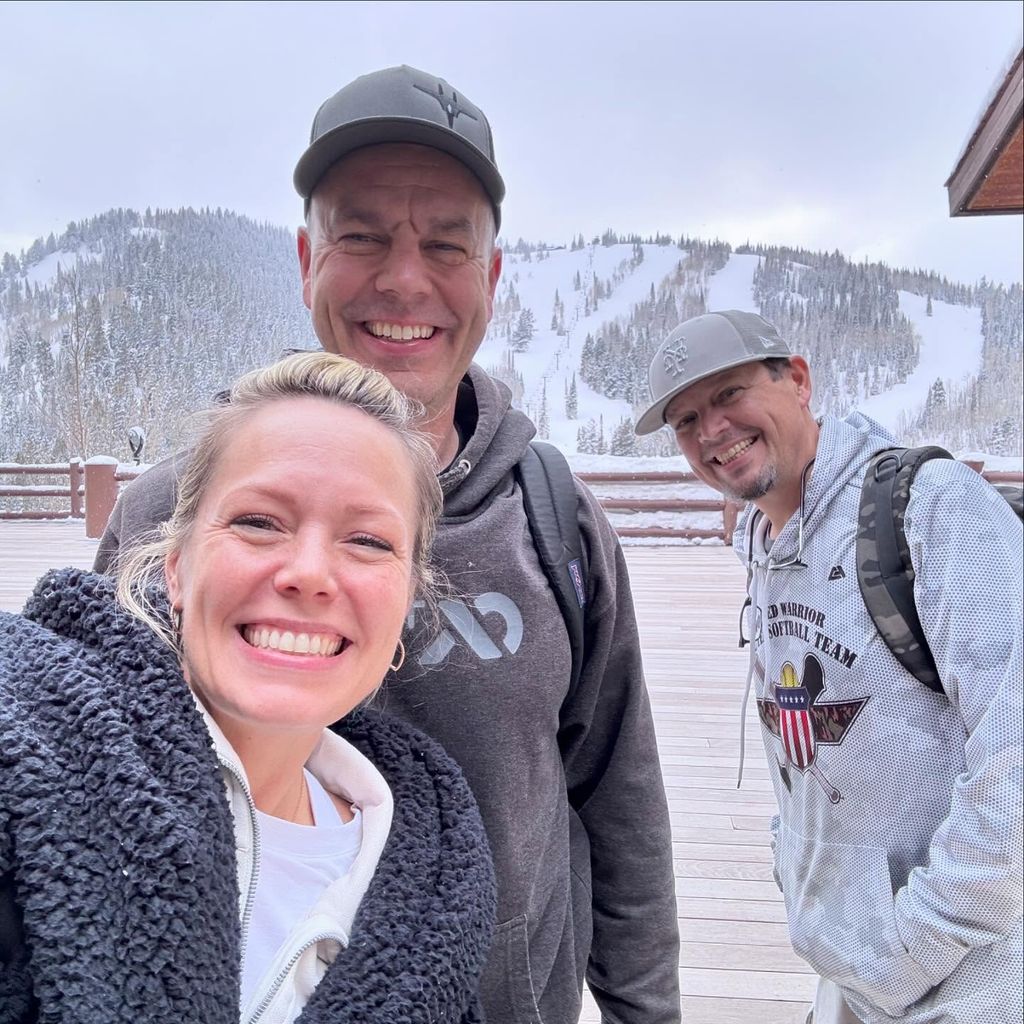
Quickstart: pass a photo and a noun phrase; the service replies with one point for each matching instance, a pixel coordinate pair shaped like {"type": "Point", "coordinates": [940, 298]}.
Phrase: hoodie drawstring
{"type": "Point", "coordinates": [450, 478]}
{"type": "Point", "coordinates": [750, 673]}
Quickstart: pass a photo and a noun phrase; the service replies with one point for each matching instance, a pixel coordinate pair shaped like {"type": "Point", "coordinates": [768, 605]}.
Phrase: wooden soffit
{"type": "Point", "coordinates": [989, 177]}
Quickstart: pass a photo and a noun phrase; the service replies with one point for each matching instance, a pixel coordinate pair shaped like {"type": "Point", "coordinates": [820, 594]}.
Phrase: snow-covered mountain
{"type": "Point", "coordinates": [926, 358]}
{"type": "Point", "coordinates": [135, 319]}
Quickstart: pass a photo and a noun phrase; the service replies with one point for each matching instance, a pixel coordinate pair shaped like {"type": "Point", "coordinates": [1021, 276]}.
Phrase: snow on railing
{"type": "Point", "coordinates": [640, 504]}
{"type": "Point", "coordinates": [74, 491]}
{"type": "Point", "coordinates": [90, 492]}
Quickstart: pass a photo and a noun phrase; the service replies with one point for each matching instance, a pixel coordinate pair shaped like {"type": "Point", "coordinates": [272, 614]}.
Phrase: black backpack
{"type": "Point", "coordinates": [884, 569]}
{"type": "Point", "coordinates": [549, 496]}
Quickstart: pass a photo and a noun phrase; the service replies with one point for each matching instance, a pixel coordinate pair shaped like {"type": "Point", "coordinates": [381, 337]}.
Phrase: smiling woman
{"type": "Point", "coordinates": [269, 609]}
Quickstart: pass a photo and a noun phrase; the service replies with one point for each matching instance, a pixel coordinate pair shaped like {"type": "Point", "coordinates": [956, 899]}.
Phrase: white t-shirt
{"type": "Point", "coordinates": [297, 864]}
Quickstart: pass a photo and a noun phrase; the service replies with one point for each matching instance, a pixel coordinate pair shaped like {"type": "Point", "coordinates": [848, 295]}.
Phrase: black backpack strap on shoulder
{"type": "Point", "coordinates": [549, 496]}
{"type": "Point", "coordinates": [1013, 495]}
{"type": "Point", "coordinates": [884, 568]}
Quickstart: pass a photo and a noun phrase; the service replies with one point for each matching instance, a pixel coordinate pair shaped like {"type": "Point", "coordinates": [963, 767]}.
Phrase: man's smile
{"type": "Point", "coordinates": [733, 453]}
{"type": "Point", "coordinates": [398, 332]}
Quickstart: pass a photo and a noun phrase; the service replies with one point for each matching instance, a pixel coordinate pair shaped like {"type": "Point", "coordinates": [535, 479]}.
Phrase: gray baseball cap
{"type": "Point", "coordinates": [704, 346]}
{"type": "Point", "coordinates": [400, 105]}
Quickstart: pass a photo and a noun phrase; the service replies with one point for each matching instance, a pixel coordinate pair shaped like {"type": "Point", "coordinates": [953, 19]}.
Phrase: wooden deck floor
{"type": "Point", "coordinates": [736, 966]}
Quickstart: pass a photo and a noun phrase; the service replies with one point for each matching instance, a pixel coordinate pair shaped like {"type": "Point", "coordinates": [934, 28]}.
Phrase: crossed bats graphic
{"type": "Point", "coordinates": [830, 722]}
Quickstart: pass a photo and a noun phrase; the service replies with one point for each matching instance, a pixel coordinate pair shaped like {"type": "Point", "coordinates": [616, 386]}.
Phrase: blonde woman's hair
{"type": "Point", "coordinates": [141, 589]}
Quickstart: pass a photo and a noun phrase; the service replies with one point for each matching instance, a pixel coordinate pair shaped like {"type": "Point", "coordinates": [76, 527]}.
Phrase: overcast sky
{"type": "Point", "coordinates": [823, 125]}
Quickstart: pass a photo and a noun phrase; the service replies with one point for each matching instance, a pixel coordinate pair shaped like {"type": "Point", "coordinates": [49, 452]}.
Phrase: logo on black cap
{"type": "Point", "coordinates": [449, 105]}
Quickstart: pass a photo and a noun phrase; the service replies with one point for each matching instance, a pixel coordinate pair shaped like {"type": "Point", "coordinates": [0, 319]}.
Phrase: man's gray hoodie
{"type": "Point", "coordinates": [569, 785]}
{"type": "Point", "coordinates": [898, 842]}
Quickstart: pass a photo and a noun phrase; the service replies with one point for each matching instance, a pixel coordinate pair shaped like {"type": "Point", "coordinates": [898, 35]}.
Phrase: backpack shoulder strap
{"type": "Point", "coordinates": [1013, 495]}
{"type": "Point", "coordinates": [549, 496]}
{"type": "Point", "coordinates": [884, 568]}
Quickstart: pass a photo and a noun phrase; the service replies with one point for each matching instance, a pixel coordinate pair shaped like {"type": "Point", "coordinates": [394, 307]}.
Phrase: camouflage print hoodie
{"type": "Point", "coordinates": [898, 839]}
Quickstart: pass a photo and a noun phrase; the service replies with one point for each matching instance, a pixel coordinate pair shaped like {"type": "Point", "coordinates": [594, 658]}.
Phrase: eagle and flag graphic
{"type": "Point", "coordinates": [790, 711]}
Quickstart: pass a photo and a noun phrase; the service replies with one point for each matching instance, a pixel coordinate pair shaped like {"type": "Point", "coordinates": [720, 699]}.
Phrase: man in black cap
{"type": "Point", "coordinates": [399, 268]}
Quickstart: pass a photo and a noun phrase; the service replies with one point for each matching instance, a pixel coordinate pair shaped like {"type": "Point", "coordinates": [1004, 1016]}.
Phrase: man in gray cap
{"type": "Point", "coordinates": [399, 268]}
{"type": "Point", "coordinates": [898, 839]}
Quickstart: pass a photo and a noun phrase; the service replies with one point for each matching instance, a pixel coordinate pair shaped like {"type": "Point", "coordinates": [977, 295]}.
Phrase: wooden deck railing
{"type": "Point", "coordinates": [622, 505]}
{"type": "Point", "coordinates": [74, 491]}
{"type": "Point", "coordinates": [90, 492]}
{"type": "Point", "coordinates": [93, 486]}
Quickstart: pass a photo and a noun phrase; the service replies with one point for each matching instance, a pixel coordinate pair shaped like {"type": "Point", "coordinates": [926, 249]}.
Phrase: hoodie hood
{"type": "Point", "coordinates": [497, 435]}
{"type": "Point", "coordinates": [844, 445]}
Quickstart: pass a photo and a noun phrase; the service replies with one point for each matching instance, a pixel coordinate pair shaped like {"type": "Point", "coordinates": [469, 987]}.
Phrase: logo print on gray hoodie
{"type": "Point", "coordinates": [461, 624]}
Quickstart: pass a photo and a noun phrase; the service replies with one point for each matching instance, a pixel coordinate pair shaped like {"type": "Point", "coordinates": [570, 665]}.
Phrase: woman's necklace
{"type": "Point", "coordinates": [303, 794]}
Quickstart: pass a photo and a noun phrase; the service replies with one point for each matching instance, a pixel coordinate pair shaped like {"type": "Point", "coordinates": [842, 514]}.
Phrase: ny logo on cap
{"type": "Point", "coordinates": [675, 357]}
{"type": "Point", "coordinates": [450, 105]}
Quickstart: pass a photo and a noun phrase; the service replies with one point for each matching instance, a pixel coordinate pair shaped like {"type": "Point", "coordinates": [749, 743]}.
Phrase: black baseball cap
{"type": "Point", "coordinates": [400, 104]}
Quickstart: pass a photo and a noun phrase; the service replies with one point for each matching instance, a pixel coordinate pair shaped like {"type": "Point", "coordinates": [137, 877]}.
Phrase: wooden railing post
{"type": "Point", "coordinates": [100, 494]}
{"type": "Point", "coordinates": [76, 476]}
{"type": "Point", "coordinates": [730, 513]}
{"type": "Point", "coordinates": [976, 464]}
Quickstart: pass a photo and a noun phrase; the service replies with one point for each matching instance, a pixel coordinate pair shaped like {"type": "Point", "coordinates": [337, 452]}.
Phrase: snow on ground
{"type": "Point", "coordinates": [45, 271]}
{"type": "Point", "coordinates": [677, 464]}
{"type": "Point", "coordinates": [551, 359]}
{"type": "Point", "coordinates": [628, 464]}
{"type": "Point", "coordinates": [950, 339]}
{"type": "Point", "coordinates": [698, 520]}
{"type": "Point", "coordinates": [43, 274]}
{"type": "Point", "coordinates": [732, 286]}
{"type": "Point", "coordinates": [649, 464]}
{"type": "Point", "coordinates": [996, 463]}
{"type": "Point", "coordinates": [950, 351]}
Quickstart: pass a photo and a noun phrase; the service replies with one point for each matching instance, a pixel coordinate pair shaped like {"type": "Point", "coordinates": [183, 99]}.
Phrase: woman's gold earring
{"type": "Point", "coordinates": [400, 660]}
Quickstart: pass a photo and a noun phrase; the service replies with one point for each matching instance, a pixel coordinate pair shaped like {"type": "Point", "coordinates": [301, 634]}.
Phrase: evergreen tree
{"type": "Point", "coordinates": [571, 400]}
{"type": "Point", "coordinates": [197, 298]}
{"type": "Point", "coordinates": [586, 438]}
{"type": "Point", "coordinates": [624, 439]}
{"type": "Point", "coordinates": [524, 331]}
{"type": "Point", "coordinates": [543, 422]}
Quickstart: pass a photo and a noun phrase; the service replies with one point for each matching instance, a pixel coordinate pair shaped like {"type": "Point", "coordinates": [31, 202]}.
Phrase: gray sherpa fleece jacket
{"type": "Point", "coordinates": [118, 892]}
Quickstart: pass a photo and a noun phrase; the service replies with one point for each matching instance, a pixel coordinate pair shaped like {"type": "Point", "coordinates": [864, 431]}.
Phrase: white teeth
{"type": "Point", "coordinates": [399, 332]}
{"type": "Point", "coordinates": [323, 645]}
{"type": "Point", "coordinates": [736, 449]}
